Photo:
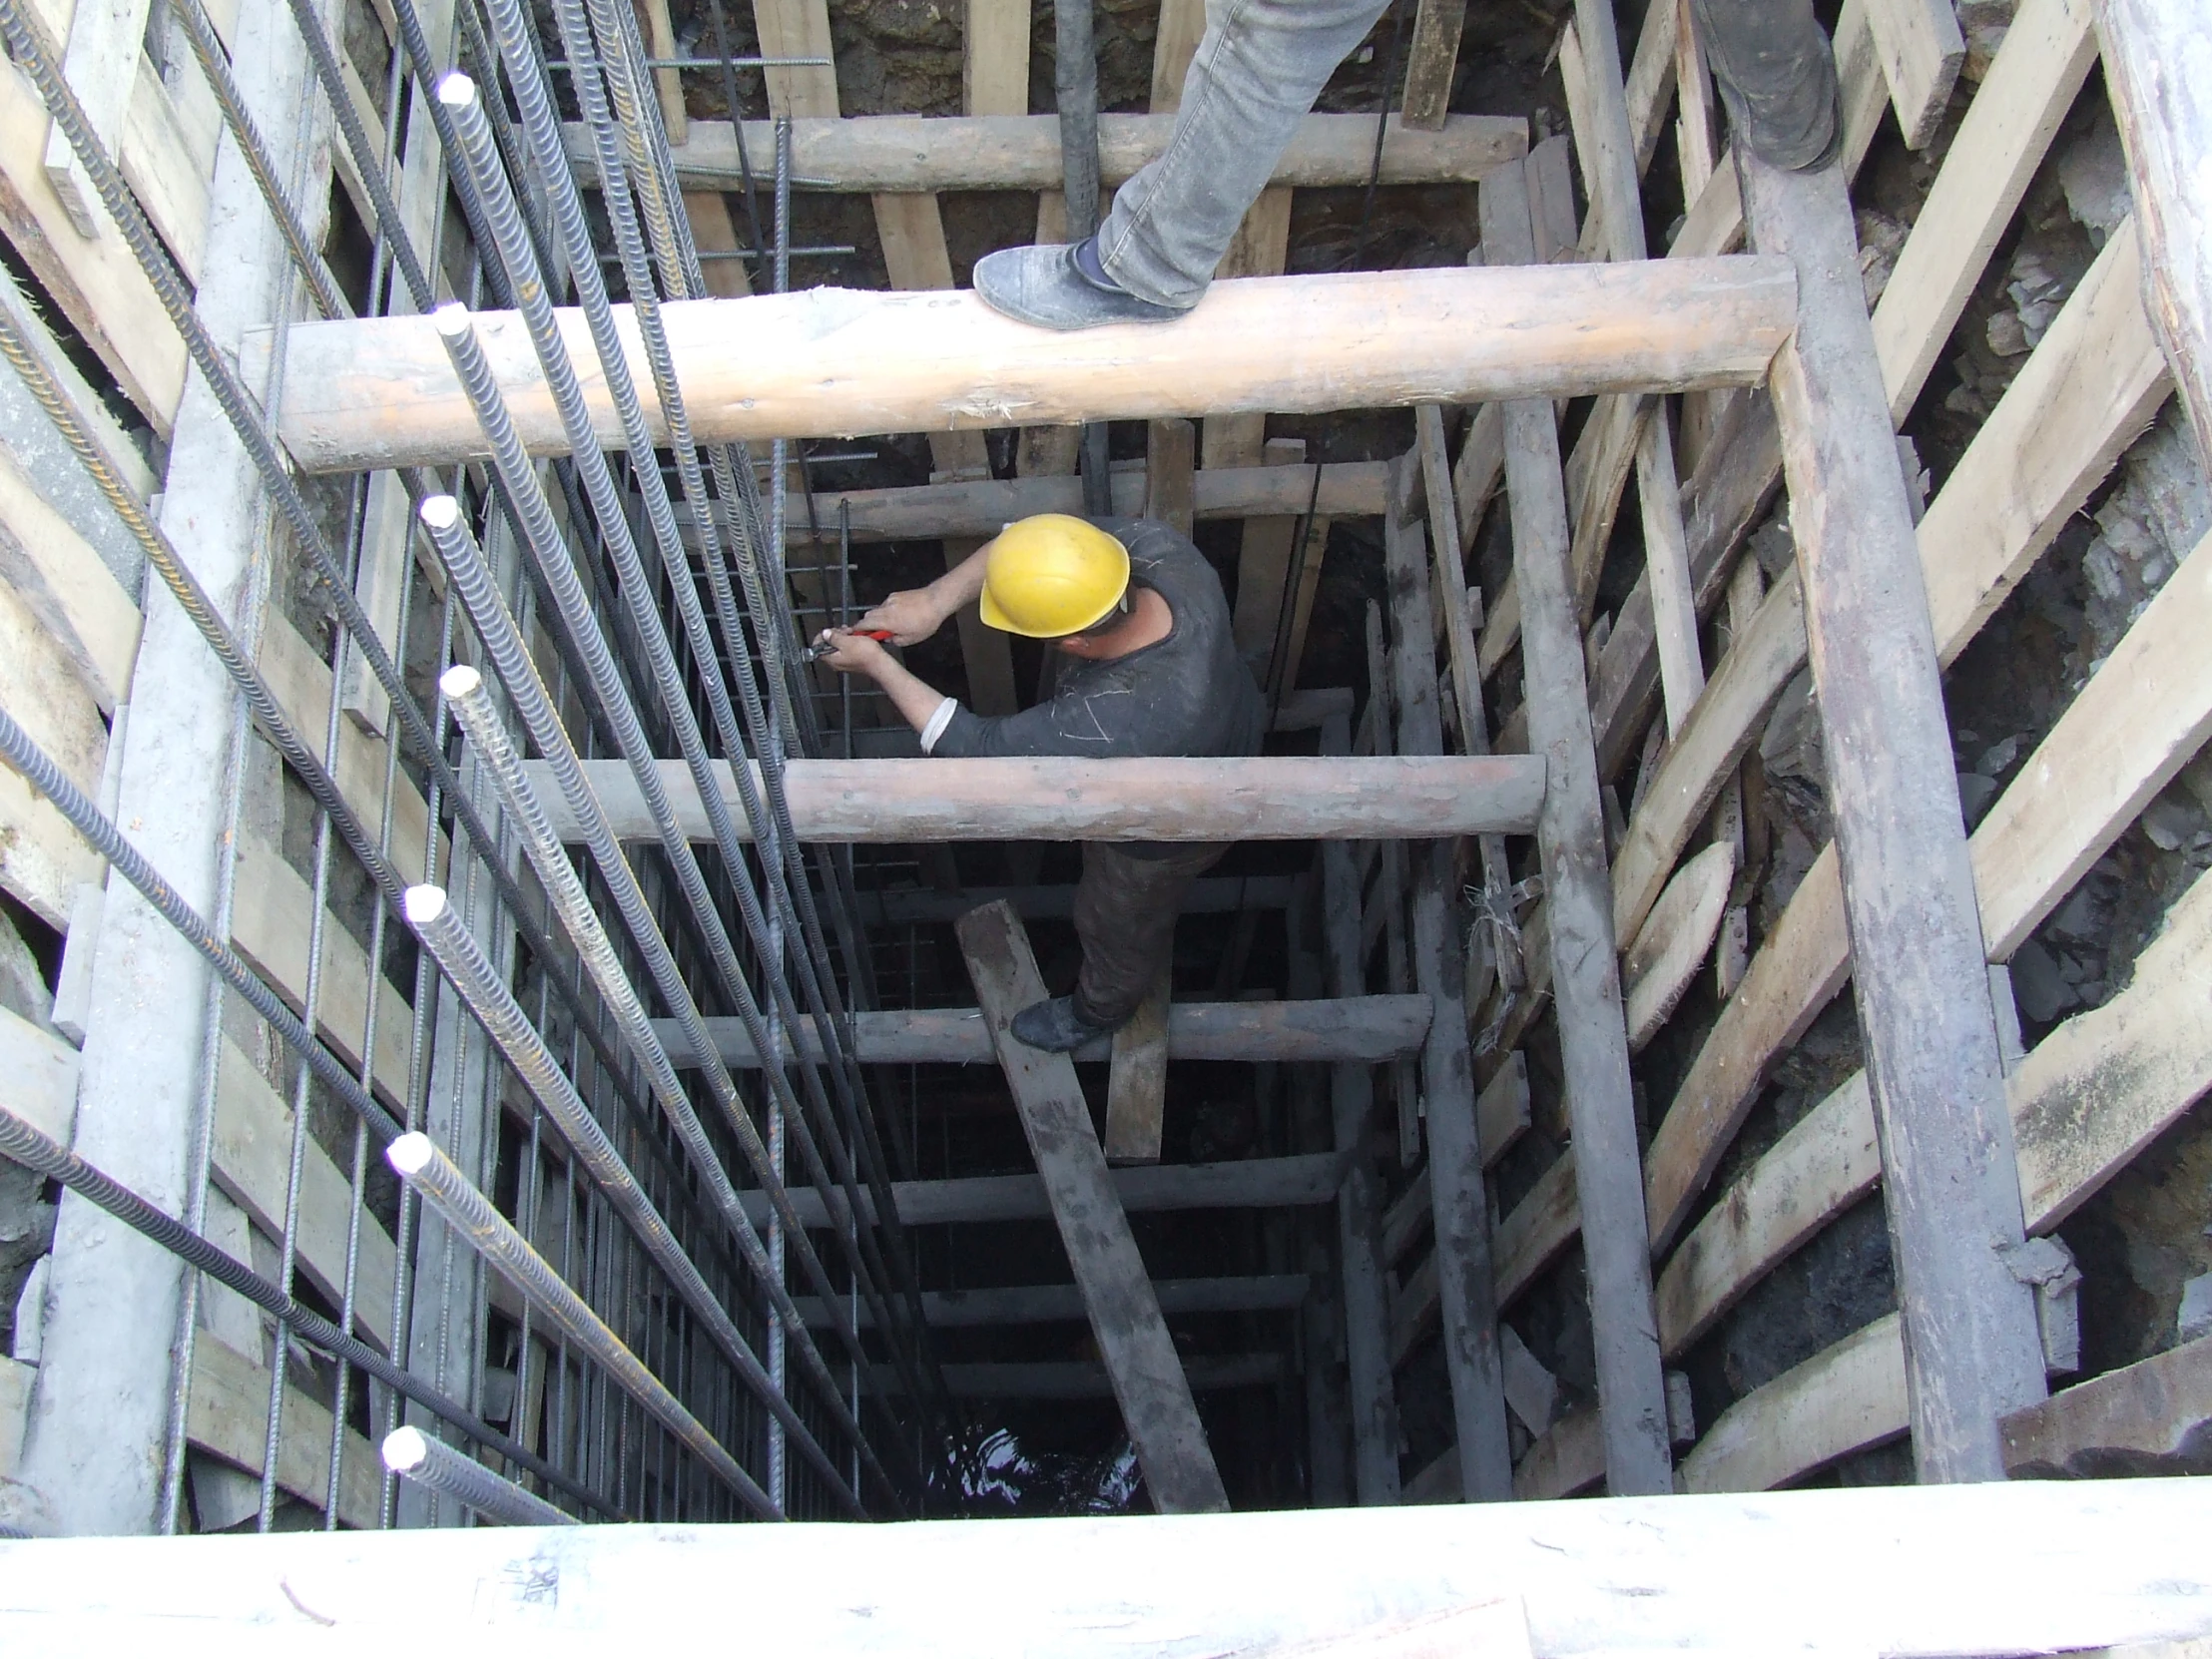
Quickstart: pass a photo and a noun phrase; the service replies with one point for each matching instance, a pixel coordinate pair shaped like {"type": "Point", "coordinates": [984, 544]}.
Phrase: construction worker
{"type": "Point", "coordinates": [1145, 664]}
{"type": "Point", "coordinates": [1259, 68]}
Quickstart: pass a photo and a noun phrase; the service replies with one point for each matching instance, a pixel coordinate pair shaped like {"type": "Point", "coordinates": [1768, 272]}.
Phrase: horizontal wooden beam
{"type": "Point", "coordinates": [1063, 1304]}
{"type": "Point", "coordinates": [1022, 152]}
{"type": "Point", "coordinates": [1270, 798]}
{"type": "Point", "coordinates": [1250, 1183]}
{"type": "Point", "coordinates": [1369, 1028]}
{"type": "Point", "coordinates": [1349, 489]}
{"type": "Point", "coordinates": [1208, 895]}
{"type": "Point", "coordinates": [1908, 1571]}
{"type": "Point", "coordinates": [827, 363]}
{"type": "Point", "coordinates": [1079, 1380]}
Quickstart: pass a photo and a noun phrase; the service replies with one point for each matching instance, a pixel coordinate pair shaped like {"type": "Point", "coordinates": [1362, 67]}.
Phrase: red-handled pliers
{"type": "Point", "coordinates": [814, 652]}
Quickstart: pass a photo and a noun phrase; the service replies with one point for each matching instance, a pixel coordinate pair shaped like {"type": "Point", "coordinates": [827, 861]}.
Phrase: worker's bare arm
{"type": "Point", "coordinates": [913, 614]}
{"type": "Point", "coordinates": [857, 654]}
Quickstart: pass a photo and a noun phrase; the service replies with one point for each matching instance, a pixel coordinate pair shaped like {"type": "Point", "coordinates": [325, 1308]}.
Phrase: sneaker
{"type": "Point", "coordinates": [1043, 284]}
{"type": "Point", "coordinates": [1054, 1026]}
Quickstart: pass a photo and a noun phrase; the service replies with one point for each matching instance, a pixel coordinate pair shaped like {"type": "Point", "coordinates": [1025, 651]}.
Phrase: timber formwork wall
{"type": "Point", "coordinates": [1691, 645]}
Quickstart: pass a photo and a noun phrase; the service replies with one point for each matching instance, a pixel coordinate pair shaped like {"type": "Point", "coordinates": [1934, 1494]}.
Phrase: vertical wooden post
{"type": "Point", "coordinates": [1585, 975]}
{"type": "Point", "coordinates": [2156, 56]}
{"type": "Point", "coordinates": [1351, 1107]}
{"type": "Point", "coordinates": [1949, 1180]}
{"type": "Point", "coordinates": [1133, 1341]}
{"type": "Point", "coordinates": [1458, 1199]}
{"type": "Point", "coordinates": [1136, 1089]}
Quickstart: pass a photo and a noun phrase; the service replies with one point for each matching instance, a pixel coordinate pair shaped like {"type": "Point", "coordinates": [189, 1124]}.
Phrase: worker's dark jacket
{"type": "Point", "coordinates": [1188, 694]}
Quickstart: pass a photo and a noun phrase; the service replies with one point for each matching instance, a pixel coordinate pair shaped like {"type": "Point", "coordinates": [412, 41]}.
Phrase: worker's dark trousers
{"type": "Point", "coordinates": [1125, 911]}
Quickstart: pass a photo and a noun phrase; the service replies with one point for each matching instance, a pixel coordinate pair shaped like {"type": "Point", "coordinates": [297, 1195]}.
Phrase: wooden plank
{"type": "Point", "coordinates": [667, 83]}
{"type": "Point", "coordinates": [1585, 972]}
{"type": "Point", "coordinates": [792, 29]}
{"type": "Point", "coordinates": [1827, 1162]}
{"type": "Point", "coordinates": [1148, 1379]}
{"type": "Point", "coordinates": [226, 1413]}
{"type": "Point", "coordinates": [1270, 798]}
{"type": "Point", "coordinates": [2150, 1417]}
{"type": "Point", "coordinates": [715, 232]}
{"type": "Point", "coordinates": [379, 392]}
{"type": "Point", "coordinates": [1922, 52]}
{"type": "Point", "coordinates": [1667, 569]}
{"type": "Point", "coordinates": [2007, 1568]}
{"type": "Point", "coordinates": [41, 1070]}
{"type": "Point", "coordinates": [994, 58]}
{"type": "Point", "coordinates": [1567, 1460]}
{"type": "Point", "coordinates": [980, 508]}
{"type": "Point", "coordinates": [1697, 129]}
{"type": "Point", "coordinates": [2007, 129]}
{"type": "Point", "coordinates": [1182, 25]}
{"type": "Point", "coordinates": [1658, 967]}
{"type": "Point", "coordinates": [1844, 1399]}
{"type": "Point", "coordinates": [967, 1310]}
{"type": "Point", "coordinates": [1171, 493]}
{"type": "Point", "coordinates": [1136, 1091]}
{"type": "Point", "coordinates": [43, 861]}
{"type": "Point", "coordinates": [1022, 152]}
{"type": "Point", "coordinates": [1264, 564]}
{"type": "Point", "coordinates": [269, 916]}
{"type": "Point", "coordinates": [1431, 62]}
{"type": "Point", "coordinates": [1950, 1185]}
{"type": "Point", "coordinates": [1651, 83]}
{"type": "Point", "coordinates": [1458, 1201]}
{"type": "Point", "coordinates": [168, 166]}
{"type": "Point", "coordinates": [95, 280]}
{"type": "Point", "coordinates": [62, 582]}
{"type": "Point", "coordinates": [99, 60]}
{"type": "Point", "coordinates": [252, 1152]}
{"type": "Point", "coordinates": [2152, 53]}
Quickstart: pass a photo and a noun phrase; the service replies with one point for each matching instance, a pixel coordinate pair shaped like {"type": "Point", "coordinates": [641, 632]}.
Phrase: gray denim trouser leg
{"type": "Point", "coordinates": [1125, 911]}
{"type": "Point", "coordinates": [1259, 68]}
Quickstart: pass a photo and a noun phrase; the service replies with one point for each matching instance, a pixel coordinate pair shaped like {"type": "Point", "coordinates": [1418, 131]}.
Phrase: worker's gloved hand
{"type": "Point", "coordinates": [908, 616]}
{"type": "Point", "coordinates": [849, 652]}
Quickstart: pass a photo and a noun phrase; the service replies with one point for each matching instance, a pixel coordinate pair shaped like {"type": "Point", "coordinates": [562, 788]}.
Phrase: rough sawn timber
{"type": "Point", "coordinates": [825, 362]}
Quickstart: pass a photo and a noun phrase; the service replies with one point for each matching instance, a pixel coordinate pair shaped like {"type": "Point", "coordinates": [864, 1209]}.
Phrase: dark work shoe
{"type": "Point", "coordinates": [1041, 284]}
{"type": "Point", "coordinates": [1776, 78]}
{"type": "Point", "coordinates": [1054, 1026]}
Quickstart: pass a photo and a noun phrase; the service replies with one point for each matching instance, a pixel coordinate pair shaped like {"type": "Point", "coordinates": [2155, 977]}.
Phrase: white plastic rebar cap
{"type": "Point", "coordinates": [460, 681]}
{"type": "Point", "coordinates": [451, 320]}
{"type": "Point", "coordinates": [405, 1449]}
{"type": "Point", "coordinates": [455, 90]}
{"type": "Point", "coordinates": [410, 1154]}
{"type": "Point", "coordinates": [424, 903]}
{"type": "Point", "coordinates": [439, 512]}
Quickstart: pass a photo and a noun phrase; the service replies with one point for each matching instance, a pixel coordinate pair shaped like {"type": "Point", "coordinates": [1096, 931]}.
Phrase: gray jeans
{"type": "Point", "coordinates": [1259, 68]}
{"type": "Point", "coordinates": [1125, 911]}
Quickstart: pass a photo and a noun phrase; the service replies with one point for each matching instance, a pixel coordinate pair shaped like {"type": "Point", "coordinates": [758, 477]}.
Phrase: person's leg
{"type": "Point", "coordinates": [1258, 70]}
{"type": "Point", "coordinates": [1777, 75]}
{"type": "Point", "coordinates": [1125, 915]}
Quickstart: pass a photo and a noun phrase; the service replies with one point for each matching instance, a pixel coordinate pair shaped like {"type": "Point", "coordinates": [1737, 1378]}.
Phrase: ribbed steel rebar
{"type": "Point", "coordinates": [414, 1456]}
{"type": "Point", "coordinates": [37, 1151]}
{"type": "Point", "coordinates": [495, 1008]}
{"type": "Point", "coordinates": [782, 860]}
{"type": "Point", "coordinates": [503, 645]}
{"type": "Point", "coordinates": [418, 1162]}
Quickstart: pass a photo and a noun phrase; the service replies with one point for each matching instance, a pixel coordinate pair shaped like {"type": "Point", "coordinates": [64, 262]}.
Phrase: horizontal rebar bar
{"type": "Point", "coordinates": [414, 1456]}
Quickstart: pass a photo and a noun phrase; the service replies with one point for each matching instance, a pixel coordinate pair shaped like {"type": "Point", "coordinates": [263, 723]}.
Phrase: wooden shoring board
{"type": "Point", "coordinates": [1586, 989]}
{"type": "Point", "coordinates": [1951, 1183]}
{"type": "Point", "coordinates": [1182, 26]}
{"type": "Point", "coordinates": [2153, 58]}
{"type": "Point", "coordinates": [792, 29]}
{"type": "Point", "coordinates": [994, 58]}
{"type": "Point", "coordinates": [1022, 152]}
{"type": "Point", "coordinates": [1922, 52]}
{"type": "Point", "coordinates": [1372, 1393]}
{"type": "Point", "coordinates": [2093, 386]}
{"type": "Point", "coordinates": [1137, 1087]}
{"type": "Point", "coordinates": [1431, 62]}
{"type": "Point", "coordinates": [1171, 465]}
{"type": "Point", "coordinates": [911, 228]}
{"type": "Point", "coordinates": [1459, 1202]}
{"type": "Point", "coordinates": [376, 392]}
{"type": "Point", "coordinates": [226, 1413]}
{"type": "Point", "coordinates": [63, 583]}
{"type": "Point", "coordinates": [1149, 1382]}
{"type": "Point", "coordinates": [2142, 1419]}
{"type": "Point", "coordinates": [43, 859]}
{"type": "Point", "coordinates": [2006, 133]}
{"type": "Point", "coordinates": [1383, 917]}
{"type": "Point", "coordinates": [2088, 1098]}
{"type": "Point", "coordinates": [1264, 562]}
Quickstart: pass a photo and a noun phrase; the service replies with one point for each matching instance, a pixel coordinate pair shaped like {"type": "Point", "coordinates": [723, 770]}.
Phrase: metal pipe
{"type": "Point", "coordinates": [417, 1161]}
{"type": "Point", "coordinates": [412, 1454]}
{"type": "Point", "coordinates": [464, 963]}
{"type": "Point", "coordinates": [36, 1151]}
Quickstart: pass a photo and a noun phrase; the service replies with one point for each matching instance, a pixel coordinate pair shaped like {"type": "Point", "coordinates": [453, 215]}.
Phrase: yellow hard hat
{"type": "Point", "coordinates": [1051, 576]}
